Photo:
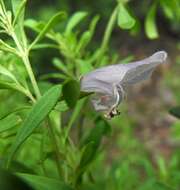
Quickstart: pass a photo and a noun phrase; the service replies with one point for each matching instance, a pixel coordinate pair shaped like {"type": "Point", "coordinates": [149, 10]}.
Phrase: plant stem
{"type": "Point", "coordinates": [25, 59]}
{"type": "Point", "coordinates": [31, 76]}
{"type": "Point", "coordinates": [107, 33]}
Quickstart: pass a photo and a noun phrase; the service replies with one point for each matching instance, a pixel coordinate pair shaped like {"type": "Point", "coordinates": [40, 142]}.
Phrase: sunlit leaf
{"type": "Point", "coordinates": [37, 114]}
{"type": "Point", "coordinates": [125, 20]}
{"type": "Point", "coordinates": [150, 23]}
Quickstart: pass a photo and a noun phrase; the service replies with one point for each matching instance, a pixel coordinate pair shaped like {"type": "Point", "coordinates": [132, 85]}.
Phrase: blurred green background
{"type": "Point", "coordinates": [143, 149]}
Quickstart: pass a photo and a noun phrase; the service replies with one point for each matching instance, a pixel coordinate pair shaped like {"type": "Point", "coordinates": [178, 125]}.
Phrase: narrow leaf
{"type": "Point", "coordinates": [9, 122]}
{"type": "Point", "coordinates": [60, 65]}
{"type": "Point", "coordinates": [125, 20]}
{"type": "Point", "coordinates": [52, 22]}
{"type": "Point", "coordinates": [150, 23]}
{"type": "Point", "coordinates": [7, 73]}
{"type": "Point", "coordinates": [34, 25]}
{"type": "Point", "coordinates": [7, 48]}
{"type": "Point", "coordinates": [74, 20]}
{"type": "Point", "coordinates": [12, 86]}
{"type": "Point", "coordinates": [87, 35]}
{"type": "Point", "coordinates": [43, 183]}
{"type": "Point", "coordinates": [53, 75]}
{"type": "Point", "coordinates": [18, 9]}
{"type": "Point", "coordinates": [37, 114]}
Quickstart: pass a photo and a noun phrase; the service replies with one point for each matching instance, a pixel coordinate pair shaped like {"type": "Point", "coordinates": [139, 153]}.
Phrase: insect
{"type": "Point", "coordinates": [108, 83]}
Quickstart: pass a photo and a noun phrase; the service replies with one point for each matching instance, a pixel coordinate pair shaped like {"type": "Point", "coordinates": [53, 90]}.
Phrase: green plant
{"type": "Point", "coordinates": [49, 136]}
{"type": "Point", "coordinates": [40, 109]}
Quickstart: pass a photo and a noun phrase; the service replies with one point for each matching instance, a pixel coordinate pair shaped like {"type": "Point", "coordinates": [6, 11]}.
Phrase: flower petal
{"type": "Point", "coordinates": [142, 70]}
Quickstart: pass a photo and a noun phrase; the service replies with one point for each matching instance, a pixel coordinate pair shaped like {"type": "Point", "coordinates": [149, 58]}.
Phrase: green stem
{"type": "Point", "coordinates": [107, 33]}
{"type": "Point", "coordinates": [25, 59]}
{"type": "Point", "coordinates": [31, 76]}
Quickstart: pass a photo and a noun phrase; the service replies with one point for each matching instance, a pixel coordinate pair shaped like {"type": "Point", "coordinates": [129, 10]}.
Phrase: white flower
{"type": "Point", "coordinates": [108, 82]}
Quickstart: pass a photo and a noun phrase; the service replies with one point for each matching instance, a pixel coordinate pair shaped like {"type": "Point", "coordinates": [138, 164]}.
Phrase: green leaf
{"type": "Point", "coordinates": [7, 73]}
{"type": "Point", "coordinates": [37, 114]}
{"type": "Point", "coordinates": [84, 40]}
{"type": "Point", "coordinates": [71, 92]}
{"type": "Point", "coordinates": [18, 21]}
{"type": "Point", "coordinates": [16, 4]}
{"type": "Point", "coordinates": [52, 22]}
{"type": "Point", "coordinates": [84, 66]}
{"type": "Point", "coordinates": [9, 122]}
{"type": "Point", "coordinates": [53, 75]}
{"type": "Point", "coordinates": [166, 6]}
{"type": "Point", "coordinates": [12, 86]}
{"type": "Point", "coordinates": [125, 20]}
{"type": "Point", "coordinates": [175, 111]}
{"type": "Point", "coordinates": [150, 23]}
{"type": "Point", "coordinates": [7, 48]}
{"type": "Point", "coordinates": [43, 183]}
{"type": "Point", "coordinates": [87, 35]}
{"type": "Point", "coordinates": [170, 8]}
{"type": "Point", "coordinates": [60, 65]}
{"type": "Point", "coordinates": [163, 171]}
{"type": "Point", "coordinates": [18, 9]}
{"type": "Point", "coordinates": [34, 25]}
{"type": "Point", "coordinates": [93, 24]}
{"type": "Point", "coordinates": [75, 19]}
